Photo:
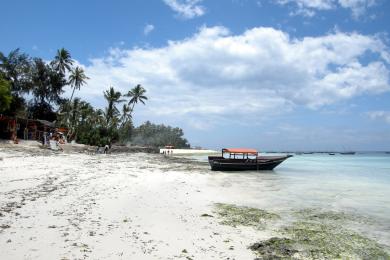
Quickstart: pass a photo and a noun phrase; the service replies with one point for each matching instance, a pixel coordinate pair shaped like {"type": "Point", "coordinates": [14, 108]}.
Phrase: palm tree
{"type": "Point", "coordinates": [77, 78]}
{"type": "Point", "coordinates": [136, 94]}
{"type": "Point", "coordinates": [126, 115]}
{"type": "Point", "coordinates": [113, 97]}
{"type": "Point", "coordinates": [62, 61]}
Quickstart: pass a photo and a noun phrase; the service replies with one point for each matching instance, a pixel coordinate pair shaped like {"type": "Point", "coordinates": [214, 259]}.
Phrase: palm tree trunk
{"type": "Point", "coordinates": [132, 108]}
{"type": "Point", "coordinates": [70, 102]}
{"type": "Point", "coordinates": [72, 95]}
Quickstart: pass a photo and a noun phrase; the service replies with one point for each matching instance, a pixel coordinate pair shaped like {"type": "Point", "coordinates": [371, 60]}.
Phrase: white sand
{"type": "Point", "coordinates": [126, 206]}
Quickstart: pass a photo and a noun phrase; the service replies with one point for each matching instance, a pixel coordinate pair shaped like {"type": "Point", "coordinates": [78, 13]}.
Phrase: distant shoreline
{"type": "Point", "coordinates": [187, 151]}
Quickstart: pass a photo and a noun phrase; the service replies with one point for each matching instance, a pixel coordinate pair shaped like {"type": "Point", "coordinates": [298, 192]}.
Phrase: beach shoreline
{"type": "Point", "coordinates": [56, 205]}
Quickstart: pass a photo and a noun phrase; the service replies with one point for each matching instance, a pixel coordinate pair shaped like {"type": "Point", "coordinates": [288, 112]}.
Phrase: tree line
{"type": "Point", "coordinates": [32, 88]}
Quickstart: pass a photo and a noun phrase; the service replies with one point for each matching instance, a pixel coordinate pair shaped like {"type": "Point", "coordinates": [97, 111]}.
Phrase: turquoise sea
{"type": "Point", "coordinates": [358, 185]}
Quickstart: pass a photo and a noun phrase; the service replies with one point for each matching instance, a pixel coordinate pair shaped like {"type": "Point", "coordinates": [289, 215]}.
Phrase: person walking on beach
{"type": "Point", "coordinates": [25, 133]}
{"type": "Point", "coordinates": [106, 148]}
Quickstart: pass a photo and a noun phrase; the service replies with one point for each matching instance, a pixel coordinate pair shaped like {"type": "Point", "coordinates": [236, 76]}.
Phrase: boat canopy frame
{"type": "Point", "coordinates": [240, 151]}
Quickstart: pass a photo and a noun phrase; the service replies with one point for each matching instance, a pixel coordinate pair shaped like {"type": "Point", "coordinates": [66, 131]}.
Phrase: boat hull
{"type": "Point", "coordinates": [263, 163]}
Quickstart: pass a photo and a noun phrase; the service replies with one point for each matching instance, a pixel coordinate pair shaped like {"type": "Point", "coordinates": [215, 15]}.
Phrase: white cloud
{"type": "Point", "coordinates": [186, 9]}
{"type": "Point", "coordinates": [358, 7]}
{"type": "Point", "coordinates": [148, 29]}
{"type": "Point", "coordinates": [215, 77]}
{"type": "Point", "coordinates": [379, 115]}
{"type": "Point", "coordinates": [308, 7]}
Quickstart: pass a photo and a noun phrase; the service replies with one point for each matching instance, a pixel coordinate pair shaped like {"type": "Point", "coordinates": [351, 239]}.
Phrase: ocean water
{"type": "Point", "coordinates": [354, 184]}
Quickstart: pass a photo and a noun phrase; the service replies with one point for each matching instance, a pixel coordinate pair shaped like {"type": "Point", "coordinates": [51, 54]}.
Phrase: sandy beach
{"type": "Point", "coordinates": [56, 205]}
{"type": "Point", "coordinates": [128, 206]}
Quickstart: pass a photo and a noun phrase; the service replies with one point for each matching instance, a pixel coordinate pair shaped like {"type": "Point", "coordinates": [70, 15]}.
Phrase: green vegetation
{"type": "Point", "coordinates": [159, 135]}
{"type": "Point", "coordinates": [32, 88]}
{"type": "Point", "coordinates": [233, 215]}
{"type": "Point", "coordinates": [5, 94]}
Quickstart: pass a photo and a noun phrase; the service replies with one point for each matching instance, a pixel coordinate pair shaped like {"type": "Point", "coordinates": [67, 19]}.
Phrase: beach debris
{"type": "Point", "coordinates": [233, 215]}
{"type": "Point", "coordinates": [52, 226]}
{"type": "Point", "coordinates": [184, 251]}
{"type": "Point", "coordinates": [9, 241]}
{"type": "Point", "coordinates": [207, 215]}
{"type": "Point", "coordinates": [4, 226]}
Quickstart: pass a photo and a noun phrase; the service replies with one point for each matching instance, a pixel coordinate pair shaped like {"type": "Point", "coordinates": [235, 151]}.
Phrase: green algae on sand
{"type": "Point", "coordinates": [234, 215]}
{"type": "Point", "coordinates": [275, 248]}
{"type": "Point", "coordinates": [308, 240]}
{"type": "Point", "coordinates": [314, 235]}
{"type": "Point", "coordinates": [312, 214]}
{"type": "Point", "coordinates": [325, 241]}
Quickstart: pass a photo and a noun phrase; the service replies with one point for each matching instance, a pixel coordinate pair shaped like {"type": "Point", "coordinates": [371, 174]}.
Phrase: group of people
{"type": "Point", "coordinates": [53, 139]}
{"type": "Point", "coordinates": [167, 152]}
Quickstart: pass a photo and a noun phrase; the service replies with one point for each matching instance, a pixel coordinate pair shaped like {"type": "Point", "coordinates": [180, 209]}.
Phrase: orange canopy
{"type": "Point", "coordinates": [239, 150]}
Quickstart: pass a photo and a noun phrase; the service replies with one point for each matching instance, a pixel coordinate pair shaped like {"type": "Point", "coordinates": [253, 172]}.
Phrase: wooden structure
{"type": "Point", "coordinates": [241, 159]}
{"type": "Point", "coordinates": [15, 128]}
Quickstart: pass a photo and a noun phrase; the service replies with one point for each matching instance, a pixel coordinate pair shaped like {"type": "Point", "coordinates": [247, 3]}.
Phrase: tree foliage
{"type": "Point", "coordinates": [16, 69]}
{"type": "Point", "coordinates": [77, 78]}
{"type": "Point", "coordinates": [5, 94]}
{"type": "Point", "coordinates": [42, 84]}
{"type": "Point", "coordinates": [159, 135]}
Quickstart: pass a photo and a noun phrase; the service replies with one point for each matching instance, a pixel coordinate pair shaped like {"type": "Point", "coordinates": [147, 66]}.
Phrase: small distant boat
{"type": "Point", "coordinates": [331, 153]}
{"type": "Point", "coordinates": [348, 153]}
{"type": "Point", "coordinates": [244, 160]}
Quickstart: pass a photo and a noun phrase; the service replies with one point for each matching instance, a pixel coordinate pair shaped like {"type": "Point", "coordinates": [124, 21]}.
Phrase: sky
{"type": "Point", "coordinates": [268, 74]}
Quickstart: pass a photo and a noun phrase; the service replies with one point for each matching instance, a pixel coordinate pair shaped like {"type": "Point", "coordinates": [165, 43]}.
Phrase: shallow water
{"type": "Point", "coordinates": [354, 184]}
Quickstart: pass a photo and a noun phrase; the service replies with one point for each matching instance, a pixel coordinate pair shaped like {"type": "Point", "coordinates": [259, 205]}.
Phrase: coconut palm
{"type": "Point", "coordinates": [126, 115]}
{"type": "Point", "coordinates": [77, 78]}
{"type": "Point", "coordinates": [62, 61]}
{"type": "Point", "coordinates": [136, 94]}
{"type": "Point", "coordinates": [113, 97]}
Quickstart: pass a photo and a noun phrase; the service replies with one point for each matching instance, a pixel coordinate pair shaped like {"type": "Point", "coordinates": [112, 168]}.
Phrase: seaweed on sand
{"type": "Point", "coordinates": [308, 240]}
{"type": "Point", "coordinates": [331, 216]}
{"type": "Point", "coordinates": [316, 235]}
{"type": "Point", "coordinates": [233, 215]}
{"type": "Point", "coordinates": [324, 241]}
{"type": "Point", "coordinates": [177, 163]}
{"type": "Point", "coordinates": [275, 248]}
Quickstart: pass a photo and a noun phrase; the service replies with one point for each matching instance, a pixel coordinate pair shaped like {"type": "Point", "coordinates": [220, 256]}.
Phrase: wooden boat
{"type": "Point", "coordinates": [240, 159]}
{"type": "Point", "coordinates": [348, 153]}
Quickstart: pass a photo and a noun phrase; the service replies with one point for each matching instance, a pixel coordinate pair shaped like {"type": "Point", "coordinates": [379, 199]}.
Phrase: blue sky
{"type": "Point", "coordinates": [269, 74]}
